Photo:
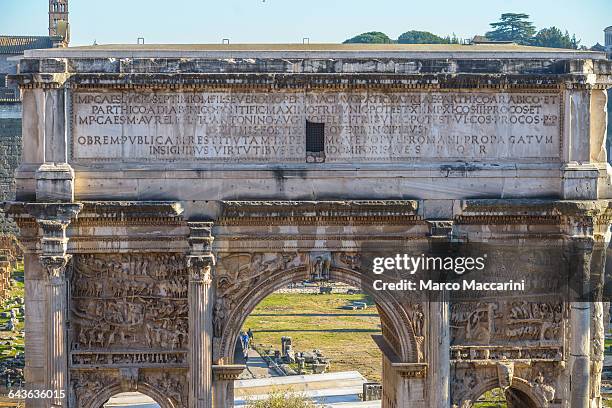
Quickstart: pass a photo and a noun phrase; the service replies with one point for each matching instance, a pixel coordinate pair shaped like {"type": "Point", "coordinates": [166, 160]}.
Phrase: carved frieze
{"type": "Point", "coordinates": [90, 359]}
{"type": "Point", "coordinates": [122, 305]}
{"type": "Point", "coordinates": [508, 321]}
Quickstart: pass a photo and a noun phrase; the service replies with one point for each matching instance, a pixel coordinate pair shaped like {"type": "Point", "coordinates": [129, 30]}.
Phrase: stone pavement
{"type": "Point", "coordinates": [131, 400]}
{"type": "Point", "coordinates": [329, 388]}
{"type": "Point", "coordinates": [257, 367]}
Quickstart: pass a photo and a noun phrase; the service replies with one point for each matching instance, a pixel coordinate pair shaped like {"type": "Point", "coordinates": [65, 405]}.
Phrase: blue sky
{"type": "Point", "coordinates": [206, 21]}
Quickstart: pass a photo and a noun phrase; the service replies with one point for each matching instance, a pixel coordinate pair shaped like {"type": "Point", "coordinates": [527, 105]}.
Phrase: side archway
{"type": "Point", "coordinates": [99, 399]}
{"type": "Point", "coordinates": [521, 391]}
{"type": "Point", "coordinates": [394, 311]}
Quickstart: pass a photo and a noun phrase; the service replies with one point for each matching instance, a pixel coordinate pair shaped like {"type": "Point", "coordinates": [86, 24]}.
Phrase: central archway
{"type": "Point", "coordinates": [394, 312]}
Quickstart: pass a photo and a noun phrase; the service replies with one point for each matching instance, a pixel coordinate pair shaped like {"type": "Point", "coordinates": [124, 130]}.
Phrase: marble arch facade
{"type": "Point", "coordinates": [162, 194]}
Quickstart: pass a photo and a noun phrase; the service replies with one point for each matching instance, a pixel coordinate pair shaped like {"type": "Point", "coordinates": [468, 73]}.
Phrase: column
{"type": "Point", "coordinates": [53, 220]}
{"type": "Point", "coordinates": [57, 354]}
{"type": "Point", "coordinates": [580, 322]}
{"type": "Point", "coordinates": [439, 359]}
{"type": "Point", "coordinates": [598, 319]}
{"type": "Point", "coordinates": [200, 262]}
{"type": "Point", "coordinates": [439, 237]}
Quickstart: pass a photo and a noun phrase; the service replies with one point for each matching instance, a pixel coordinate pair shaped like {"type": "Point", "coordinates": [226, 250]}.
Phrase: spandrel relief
{"type": "Point", "coordinates": [239, 272]}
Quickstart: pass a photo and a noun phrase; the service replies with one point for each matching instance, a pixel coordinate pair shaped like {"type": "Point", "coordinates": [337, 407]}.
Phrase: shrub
{"type": "Point", "coordinates": [282, 399]}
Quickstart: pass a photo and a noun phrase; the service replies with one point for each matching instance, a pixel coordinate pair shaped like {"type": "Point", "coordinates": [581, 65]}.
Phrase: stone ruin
{"type": "Point", "coordinates": [164, 191]}
{"type": "Point", "coordinates": [313, 362]}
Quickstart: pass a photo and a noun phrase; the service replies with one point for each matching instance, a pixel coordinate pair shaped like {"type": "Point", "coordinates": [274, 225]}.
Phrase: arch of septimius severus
{"type": "Point", "coordinates": [165, 190]}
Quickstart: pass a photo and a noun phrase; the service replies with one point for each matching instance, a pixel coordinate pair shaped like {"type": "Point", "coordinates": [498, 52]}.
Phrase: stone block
{"type": "Point", "coordinates": [29, 65]}
{"type": "Point", "coordinates": [53, 65]}
{"type": "Point", "coordinates": [95, 65]}
{"type": "Point", "coordinates": [438, 209]}
{"type": "Point", "coordinates": [55, 183]}
{"type": "Point", "coordinates": [580, 182]}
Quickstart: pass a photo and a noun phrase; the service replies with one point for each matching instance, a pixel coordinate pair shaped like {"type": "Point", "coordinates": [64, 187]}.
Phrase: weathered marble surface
{"type": "Point", "coordinates": [360, 127]}
{"type": "Point", "coordinates": [423, 145]}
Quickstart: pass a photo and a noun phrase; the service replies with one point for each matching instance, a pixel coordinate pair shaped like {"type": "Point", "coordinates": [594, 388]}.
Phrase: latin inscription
{"type": "Point", "coordinates": [262, 127]}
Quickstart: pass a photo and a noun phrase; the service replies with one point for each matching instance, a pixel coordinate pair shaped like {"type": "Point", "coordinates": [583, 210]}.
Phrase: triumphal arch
{"type": "Point", "coordinates": [165, 190]}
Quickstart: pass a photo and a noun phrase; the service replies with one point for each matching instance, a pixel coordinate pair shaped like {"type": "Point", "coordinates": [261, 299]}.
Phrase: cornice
{"type": "Point", "coordinates": [536, 207]}
{"type": "Point", "coordinates": [353, 212]}
{"type": "Point", "coordinates": [127, 210]}
{"type": "Point", "coordinates": [401, 82]}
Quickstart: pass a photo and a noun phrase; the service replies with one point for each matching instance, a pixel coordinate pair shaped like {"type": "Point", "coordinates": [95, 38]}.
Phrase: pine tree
{"type": "Point", "coordinates": [512, 27]}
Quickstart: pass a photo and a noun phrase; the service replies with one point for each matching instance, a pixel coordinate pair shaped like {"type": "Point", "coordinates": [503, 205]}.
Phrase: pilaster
{"type": "Point", "coordinates": [223, 388]}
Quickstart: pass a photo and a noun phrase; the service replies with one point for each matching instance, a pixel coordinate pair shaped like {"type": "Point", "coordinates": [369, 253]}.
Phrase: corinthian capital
{"type": "Point", "coordinates": [200, 267]}
{"type": "Point", "coordinates": [55, 266]}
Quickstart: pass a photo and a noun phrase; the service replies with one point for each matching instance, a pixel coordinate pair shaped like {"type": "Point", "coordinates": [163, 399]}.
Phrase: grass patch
{"type": "Point", "coordinates": [318, 322]}
{"type": "Point", "coordinates": [15, 339]}
{"type": "Point", "coordinates": [494, 398]}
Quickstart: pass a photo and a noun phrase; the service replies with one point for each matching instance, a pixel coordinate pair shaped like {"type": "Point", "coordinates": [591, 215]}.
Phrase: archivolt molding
{"type": "Point", "coordinates": [518, 384]}
{"type": "Point", "coordinates": [536, 382]}
{"type": "Point", "coordinates": [92, 389]}
{"type": "Point", "coordinates": [243, 280]}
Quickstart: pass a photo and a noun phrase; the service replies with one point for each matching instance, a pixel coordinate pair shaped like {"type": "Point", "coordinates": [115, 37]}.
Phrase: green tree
{"type": "Point", "coordinates": [452, 39]}
{"type": "Point", "coordinates": [421, 37]}
{"type": "Point", "coordinates": [512, 27]}
{"type": "Point", "coordinates": [372, 37]}
{"type": "Point", "coordinates": [278, 399]}
{"type": "Point", "coordinates": [554, 38]}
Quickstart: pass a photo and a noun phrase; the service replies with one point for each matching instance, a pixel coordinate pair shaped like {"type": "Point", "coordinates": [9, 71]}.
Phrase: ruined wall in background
{"type": "Point", "coordinates": [10, 155]}
{"type": "Point", "coordinates": [609, 138]}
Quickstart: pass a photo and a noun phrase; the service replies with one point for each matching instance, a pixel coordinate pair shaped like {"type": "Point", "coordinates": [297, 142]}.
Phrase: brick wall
{"type": "Point", "coordinates": [7, 93]}
{"type": "Point", "coordinates": [10, 155]}
{"type": "Point", "coordinates": [609, 138]}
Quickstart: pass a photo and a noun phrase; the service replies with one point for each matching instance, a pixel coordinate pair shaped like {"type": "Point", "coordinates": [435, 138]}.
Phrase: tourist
{"type": "Point", "coordinates": [245, 340]}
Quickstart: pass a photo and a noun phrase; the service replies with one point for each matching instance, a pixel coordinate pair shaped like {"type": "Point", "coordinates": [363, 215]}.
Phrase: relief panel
{"type": "Point", "coordinates": [129, 309]}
